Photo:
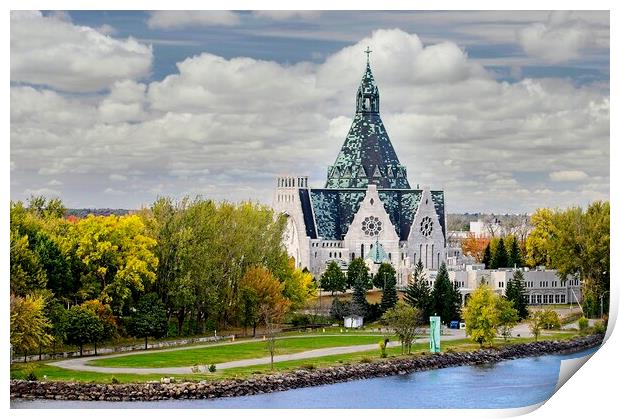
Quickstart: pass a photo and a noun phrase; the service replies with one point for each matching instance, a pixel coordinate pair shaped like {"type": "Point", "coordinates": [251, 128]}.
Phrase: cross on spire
{"type": "Point", "coordinates": [368, 51]}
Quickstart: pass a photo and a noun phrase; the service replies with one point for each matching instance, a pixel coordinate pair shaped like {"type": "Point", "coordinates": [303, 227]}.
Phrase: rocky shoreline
{"type": "Point", "coordinates": [59, 390]}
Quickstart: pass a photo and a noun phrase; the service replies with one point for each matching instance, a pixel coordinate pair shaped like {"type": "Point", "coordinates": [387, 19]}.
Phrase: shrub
{"type": "Point", "coordinates": [212, 368]}
{"type": "Point", "coordinates": [300, 320]}
{"type": "Point", "coordinates": [600, 328]}
{"type": "Point", "coordinates": [366, 360]}
{"type": "Point", "coordinates": [583, 324]}
{"type": "Point", "coordinates": [115, 380]}
{"type": "Point", "coordinates": [550, 319]}
{"type": "Point", "coordinates": [309, 367]}
{"type": "Point", "coordinates": [29, 371]}
{"type": "Point", "coordinates": [382, 346]}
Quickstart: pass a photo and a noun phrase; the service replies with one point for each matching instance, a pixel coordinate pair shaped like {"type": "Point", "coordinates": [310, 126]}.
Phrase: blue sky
{"type": "Point", "coordinates": [505, 111]}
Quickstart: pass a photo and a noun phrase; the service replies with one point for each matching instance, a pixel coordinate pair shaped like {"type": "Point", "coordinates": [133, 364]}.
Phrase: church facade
{"type": "Point", "coordinates": [367, 207]}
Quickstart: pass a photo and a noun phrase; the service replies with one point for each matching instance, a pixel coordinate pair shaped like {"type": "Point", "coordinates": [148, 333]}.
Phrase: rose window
{"type": "Point", "coordinates": [426, 228]}
{"type": "Point", "coordinates": [372, 226]}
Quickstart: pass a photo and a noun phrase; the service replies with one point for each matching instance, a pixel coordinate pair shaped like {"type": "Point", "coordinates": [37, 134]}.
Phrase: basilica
{"type": "Point", "coordinates": [367, 208]}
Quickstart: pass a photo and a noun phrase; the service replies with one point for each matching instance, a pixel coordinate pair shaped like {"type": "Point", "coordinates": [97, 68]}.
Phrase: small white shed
{"type": "Point", "coordinates": [353, 321]}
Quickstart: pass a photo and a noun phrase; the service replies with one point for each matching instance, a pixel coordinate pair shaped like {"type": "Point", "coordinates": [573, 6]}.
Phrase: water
{"type": "Point", "coordinates": [508, 384]}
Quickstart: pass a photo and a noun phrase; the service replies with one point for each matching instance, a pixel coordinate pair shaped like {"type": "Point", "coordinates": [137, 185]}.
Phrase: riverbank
{"type": "Point", "coordinates": [296, 379]}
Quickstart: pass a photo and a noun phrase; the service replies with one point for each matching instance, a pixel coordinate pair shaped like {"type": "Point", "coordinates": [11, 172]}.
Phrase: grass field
{"type": "Point", "coordinates": [224, 353]}
{"type": "Point", "coordinates": [19, 371]}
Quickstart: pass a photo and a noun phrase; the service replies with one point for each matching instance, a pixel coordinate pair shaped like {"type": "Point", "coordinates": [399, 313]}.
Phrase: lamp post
{"type": "Point", "coordinates": [602, 302]}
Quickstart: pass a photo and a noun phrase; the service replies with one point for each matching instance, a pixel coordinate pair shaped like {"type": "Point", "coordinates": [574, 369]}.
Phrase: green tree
{"type": "Point", "coordinates": [418, 293]}
{"type": "Point", "coordinates": [27, 274]}
{"type": "Point", "coordinates": [386, 276]}
{"type": "Point", "coordinates": [446, 297]}
{"type": "Point", "coordinates": [360, 279]}
{"type": "Point", "coordinates": [339, 309]}
{"type": "Point", "coordinates": [82, 326]}
{"type": "Point", "coordinates": [499, 259]}
{"type": "Point", "coordinates": [249, 303]}
{"type": "Point", "coordinates": [149, 319]}
{"type": "Point", "coordinates": [514, 255]}
{"type": "Point", "coordinates": [333, 279]}
{"type": "Point", "coordinates": [486, 258]}
{"type": "Point", "coordinates": [515, 292]}
{"type": "Point", "coordinates": [108, 320]}
{"type": "Point", "coordinates": [481, 316]}
{"type": "Point", "coordinates": [507, 317]}
{"type": "Point", "coordinates": [29, 326]}
{"type": "Point", "coordinates": [538, 241]}
{"type": "Point", "coordinates": [406, 323]}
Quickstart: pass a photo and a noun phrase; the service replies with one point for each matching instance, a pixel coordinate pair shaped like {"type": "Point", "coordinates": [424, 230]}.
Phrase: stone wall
{"type": "Point", "coordinates": [290, 380]}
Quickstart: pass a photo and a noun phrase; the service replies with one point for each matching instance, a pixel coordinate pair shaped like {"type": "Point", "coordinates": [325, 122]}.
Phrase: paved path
{"type": "Point", "coordinates": [80, 364]}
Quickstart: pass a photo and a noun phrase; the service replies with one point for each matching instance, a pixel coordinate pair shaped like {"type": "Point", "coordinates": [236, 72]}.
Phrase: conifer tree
{"type": "Point", "coordinates": [386, 275]}
{"type": "Point", "coordinates": [360, 279]}
{"type": "Point", "coordinates": [418, 293]}
{"type": "Point", "coordinates": [446, 297]}
{"type": "Point", "coordinates": [514, 255]}
{"type": "Point", "coordinates": [499, 259]}
{"type": "Point", "coordinates": [515, 292]}
{"type": "Point", "coordinates": [486, 259]}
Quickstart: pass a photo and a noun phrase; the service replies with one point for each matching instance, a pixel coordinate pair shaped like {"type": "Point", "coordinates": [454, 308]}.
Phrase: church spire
{"type": "Point", "coordinates": [367, 156]}
{"type": "Point", "coordinates": [367, 93]}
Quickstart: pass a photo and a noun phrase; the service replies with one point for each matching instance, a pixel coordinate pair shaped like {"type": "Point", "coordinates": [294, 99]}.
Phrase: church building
{"type": "Point", "coordinates": [367, 207]}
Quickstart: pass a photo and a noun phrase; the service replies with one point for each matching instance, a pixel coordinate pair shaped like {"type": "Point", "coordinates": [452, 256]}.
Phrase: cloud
{"type": "Point", "coordinates": [56, 53]}
{"type": "Point", "coordinates": [287, 14]}
{"type": "Point", "coordinates": [568, 175]}
{"type": "Point", "coordinates": [561, 38]}
{"type": "Point", "coordinates": [177, 19]}
{"type": "Point", "coordinates": [225, 128]}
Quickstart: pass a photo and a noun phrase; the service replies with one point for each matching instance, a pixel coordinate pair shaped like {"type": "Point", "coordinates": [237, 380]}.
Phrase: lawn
{"type": "Point", "coordinates": [216, 354]}
{"type": "Point", "coordinates": [41, 369]}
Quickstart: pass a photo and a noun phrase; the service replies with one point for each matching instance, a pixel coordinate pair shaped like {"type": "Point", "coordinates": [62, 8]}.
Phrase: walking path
{"type": "Point", "coordinates": [80, 364]}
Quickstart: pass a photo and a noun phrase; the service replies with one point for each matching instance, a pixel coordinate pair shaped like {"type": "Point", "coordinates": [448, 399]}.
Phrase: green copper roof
{"type": "Point", "coordinates": [377, 253]}
{"type": "Point", "coordinates": [367, 156]}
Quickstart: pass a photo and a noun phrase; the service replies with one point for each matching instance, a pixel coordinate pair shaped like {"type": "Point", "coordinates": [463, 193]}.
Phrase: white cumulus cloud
{"type": "Point", "coordinates": [561, 38]}
{"type": "Point", "coordinates": [56, 53]}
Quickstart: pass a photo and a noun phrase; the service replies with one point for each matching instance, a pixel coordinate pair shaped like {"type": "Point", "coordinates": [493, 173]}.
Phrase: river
{"type": "Point", "coordinates": [507, 384]}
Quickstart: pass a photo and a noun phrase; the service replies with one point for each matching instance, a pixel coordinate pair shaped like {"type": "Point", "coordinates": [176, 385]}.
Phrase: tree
{"type": "Point", "coordinates": [536, 322]}
{"type": "Point", "coordinates": [82, 326]}
{"type": "Point", "coordinates": [29, 326]}
{"type": "Point", "coordinates": [333, 279]}
{"type": "Point", "coordinates": [499, 259]}
{"type": "Point", "coordinates": [538, 241]}
{"type": "Point", "coordinates": [418, 293]}
{"type": "Point", "coordinates": [475, 247]}
{"type": "Point", "coordinates": [507, 316]}
{"type": "Point", "coordinates": [248, 300]}
{"type": "Point", "coordinates": [515, 292]}
{"type": "Point", "coordinates": [108, 321]}
{"type": "Point", "coordinates": [406, 323]}
{"type": "Point", "coordinates": [481, 316]}
{"type": "Point", "coordinates": [514, 255]}
{"type": "Point", "coordinates": [486, 258]}
{"type": "Point", "coordinates": [360, 279]}
{"type": "Point", "coordinates": [446, 297]}
{"type": "Point", "coordinates": [386, 276]}
{"type": "Point", "coordinates": [116, 256]}
{"type": "Point", "coordinates": [299, 286]}
{"type": "Point", "coordinates": [263, 295]}
{"type": "Point", "coordinates": [27, 274]}
{"type": "Point", "coordinates": [149, 319]}
{"type": "Point", "coordinates": [340, 309]}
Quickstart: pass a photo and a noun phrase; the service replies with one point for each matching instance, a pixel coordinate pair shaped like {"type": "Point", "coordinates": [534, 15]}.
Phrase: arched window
{"type": "Point", "coordinates": [352, 255]}
{"type": "Point", "coordinates": [362, 252]}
